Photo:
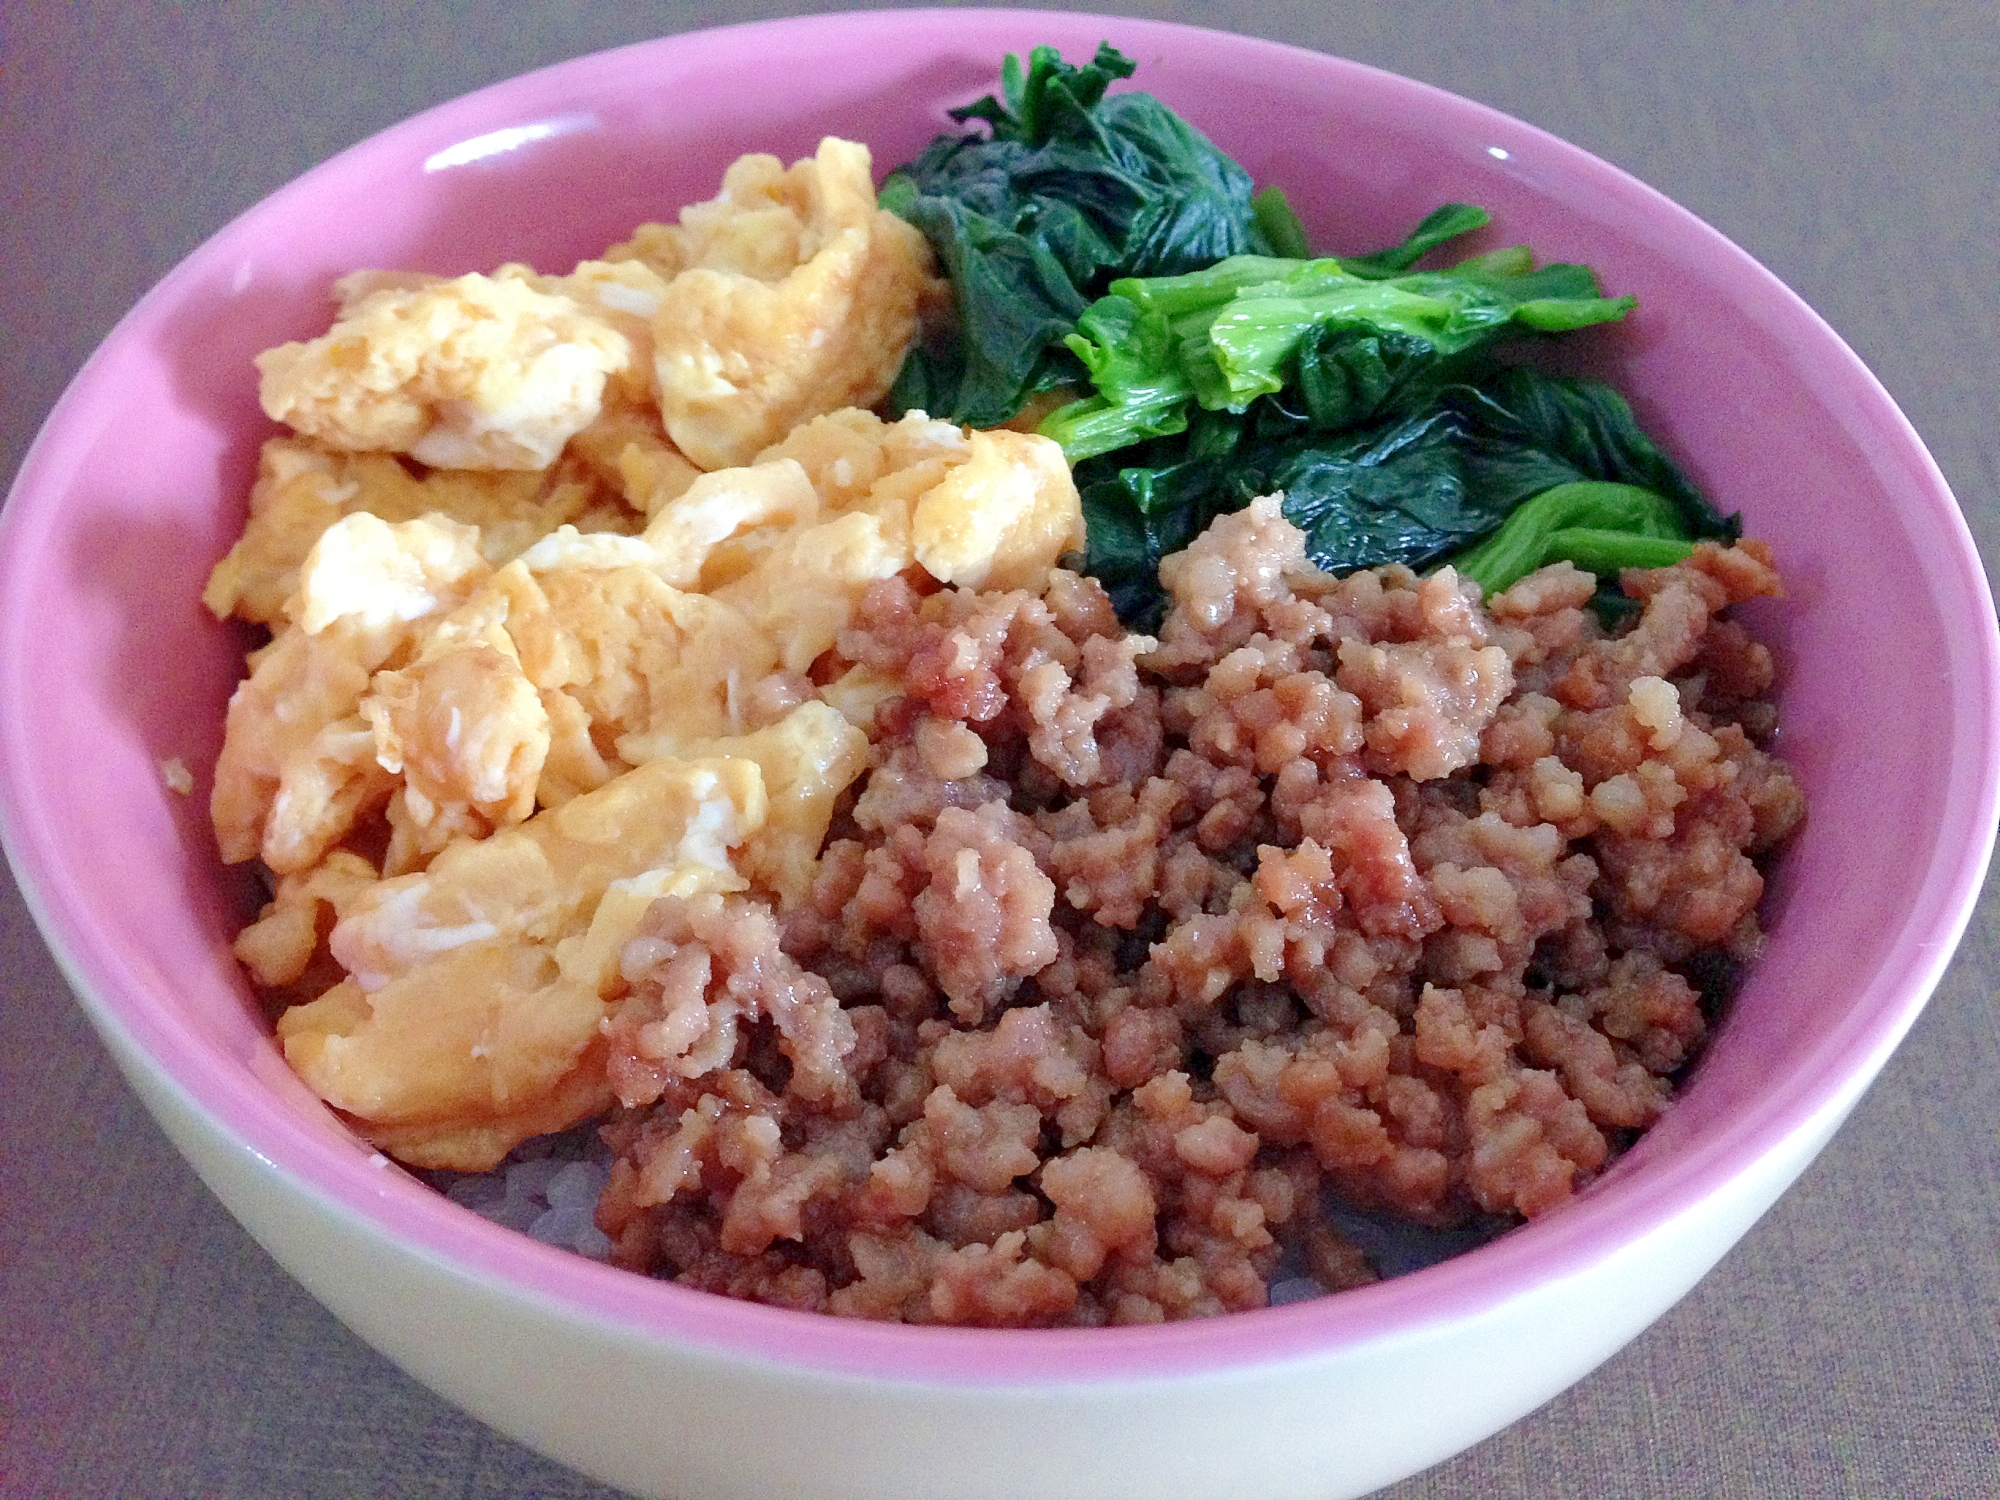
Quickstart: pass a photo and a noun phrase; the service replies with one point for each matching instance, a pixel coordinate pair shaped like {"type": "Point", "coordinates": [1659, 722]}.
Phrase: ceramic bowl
{"type": "Point", "coordinates": [109, 666]}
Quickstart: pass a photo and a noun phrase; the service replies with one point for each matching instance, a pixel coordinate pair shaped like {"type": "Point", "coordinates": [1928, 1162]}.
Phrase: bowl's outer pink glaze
{"type": "Point", "coordinates": [109, 665]}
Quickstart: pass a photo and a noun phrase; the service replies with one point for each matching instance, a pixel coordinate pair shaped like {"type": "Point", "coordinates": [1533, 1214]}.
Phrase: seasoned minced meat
{"type": "Point", "coordinates": [1127, 950]}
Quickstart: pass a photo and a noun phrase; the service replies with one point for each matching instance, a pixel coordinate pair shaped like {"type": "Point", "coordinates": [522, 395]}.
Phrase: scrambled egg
{"type": "Point", "coordinates": [473, 373]}
{"type": "Point", "coordinates": [303, 487]}
{"type": "Point", "coordinates": [475, 987]}
{"type": "Point", "coordinates": [535, 550]}
{"type": "Point", "coordinates": [297, 763]}
{"type": "Point", "coordinates": [791, 294]}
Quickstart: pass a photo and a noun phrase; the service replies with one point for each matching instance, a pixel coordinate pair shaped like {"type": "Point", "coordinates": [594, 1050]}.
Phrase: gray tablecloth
{"type": "Point", "coordinates": [1848, 1347]}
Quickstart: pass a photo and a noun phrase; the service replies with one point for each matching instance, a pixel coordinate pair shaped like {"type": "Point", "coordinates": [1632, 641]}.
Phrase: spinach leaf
{"type": "Point", "coordinates": [1098, 238]}
{"type": "Point", "coordinates": [1403, 493]}
{"type": "Point", "coordinates": [1029, 101]}
{"type": "Point", "coordinates": [1068, 188]}
{"type": "Point", "coordinates": [1437, 227]}
{"type": "Point", "coordinates": [1400, 492]}
{"type": "Point", "coordinates": [1249, 326]}
{"type": "Point", "coordinates": [1346, 373]}
{"type": "Point", "coordinates": [1548, 430]}
{"type": "Point", "coordinates": [1135, 517]}
{"type": "Point", "coordinates": [1014, 303]}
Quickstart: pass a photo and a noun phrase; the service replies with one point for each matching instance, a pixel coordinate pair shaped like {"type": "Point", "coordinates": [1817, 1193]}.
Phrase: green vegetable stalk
{"type": "Point", "coordinates": [1603, 528]}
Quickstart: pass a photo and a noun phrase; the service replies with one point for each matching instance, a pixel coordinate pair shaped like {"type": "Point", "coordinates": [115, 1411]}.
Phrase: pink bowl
{"type": "Point", "coordinates": [109, 666]}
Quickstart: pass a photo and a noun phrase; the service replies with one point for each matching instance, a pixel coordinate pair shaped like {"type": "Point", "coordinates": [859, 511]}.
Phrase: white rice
{"type": "Point", "coordinates": [547, 1189]}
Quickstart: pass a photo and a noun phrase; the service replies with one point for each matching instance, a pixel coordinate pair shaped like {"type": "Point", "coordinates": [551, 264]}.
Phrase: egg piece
{"type": "Point", "coordinates": [847, 453]}
{"type": "Point", "coordinates": [462, 723]}
{"type": "Point", "coordinates": [480, 1143]}
{"type": "Point", "coordinates": [803, 592]}
{"type": "Point", "coordinates": [575, 764]}
{"type": "Point", "coordinates": [420, 828]}
{"type": "Point", "coordinates": [298, 763]}
{"type": "Point", "coordinates": [477, 987]}
{"type": "Point", "coordinates": [640, 657]}
{"type": "Point", "coordinates": [626, 295]}
{"type": "Point", "coordinates": [686, 534]}
{"type": "Point", "coordinates": [303, 487]}
{"type": "Point", "coordinates": [472, 373]}
{"type": "Point", "coordinates": [791, 294]}
{"type": "Point", "coordinates": [808, 758]}
{"type": "Point", "coordinates": [375, 575]}
{"type": "Point", "coordinates": [298, 759]}
{"type": "Point", "coordinates": [566, 547]}
{"type": "Point", "coordinates": [752, 227]}
{"type": "Point", "coordinates": [298, 494]}
{"type": "Point", "coordinates": [858, 692]}
{"type": "Point", "coordinates": [1002, 518]}
{"type": "Point", "coordinates": [485, 1036]}
{"type": "Point", "coordinates": [977, 509]}
{"type": "Point", "coordinates": [282, 943]}
{"type": "Point", "coordinates": [627, 452]}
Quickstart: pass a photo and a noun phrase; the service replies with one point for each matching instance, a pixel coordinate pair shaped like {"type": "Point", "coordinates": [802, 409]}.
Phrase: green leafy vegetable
{"type": "Point", "coordinates": [1497, 478]}
{"type": "Point", "coordinates": [1372, 402]}
{"type": "Point", "coordinates": [1068, 188]}
{"type": "Point", "coordinates": [1282, 229]}
{"type": "Point", "coordinates": [1549, 430]}
{"type": "Point", "coordinates": [1224, 336]}
{"type": "Point", "coordinates": [1098, 238]}
{"type": "Point", "coordinates": [1599, 526]}
{"type": "Point", "coordinates": [1137, 517]}
{"type": "Point", "coordinates": [1439, 226]}
{"type": "Point", "coordinates": [1410, 493]}
{"type": "Point", "coordinates": [1404, 491]}
{"type": "Point", "coordinates": [1031, 102]}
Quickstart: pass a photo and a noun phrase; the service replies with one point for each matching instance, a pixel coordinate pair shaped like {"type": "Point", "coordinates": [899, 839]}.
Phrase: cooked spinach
{"type": "Point", "coordinates": [1375, 405]}
{"type": "Point", "coordinates": [1548, 430]}
{"type": "Point", "coordinates": [1282, 229]}
{"type": "Point", "coordinates": [1097, 239]}
{"type": "Point", "coordinates": [1224, 336]}
{"type": "Point", "coordinates": [1497, 478]}
{"type": "Point", "coordinates": [1601, 527]}
{"type": "Point", "coordinates": [1067, 189]}
{"type": "Point", "coordinates": [1440, 226]}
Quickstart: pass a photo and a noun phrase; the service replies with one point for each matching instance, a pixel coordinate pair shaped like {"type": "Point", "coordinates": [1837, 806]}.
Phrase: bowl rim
{"type": "Point", "coordinates": [421, 1223]}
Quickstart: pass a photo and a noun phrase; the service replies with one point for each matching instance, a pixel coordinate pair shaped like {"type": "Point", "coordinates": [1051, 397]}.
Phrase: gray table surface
{"type": "Point", "coordinates": [1849, 1346]}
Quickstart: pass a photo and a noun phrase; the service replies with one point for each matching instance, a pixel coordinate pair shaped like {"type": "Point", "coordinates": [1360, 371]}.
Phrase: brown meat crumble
{"type": "Point", "coordinates": [1125, 951]}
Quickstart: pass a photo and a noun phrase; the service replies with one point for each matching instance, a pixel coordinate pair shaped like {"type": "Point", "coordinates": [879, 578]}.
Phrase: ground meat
{"type": "Point", "coordinates": [1129, 950]}
{"type": "Point", "coordinates": [983, 920]}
